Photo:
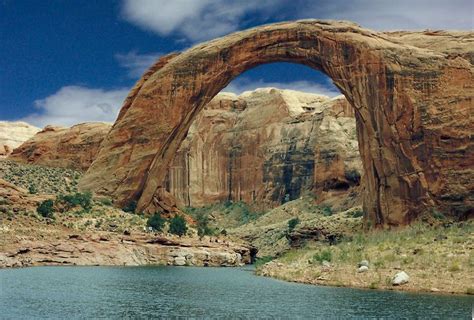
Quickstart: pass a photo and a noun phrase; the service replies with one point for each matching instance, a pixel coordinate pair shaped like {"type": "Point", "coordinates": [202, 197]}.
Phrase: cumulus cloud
{"type": "Point", "coordinates": [199, 20]}
{"type": "Point", "coordinates": [196, 19]}
{"type": "Point", "coordinates": [71, 105]}
{"type": "Point", "coordinates": [136, 63]}
{"type": "Point", "coordinates": [245, 84]}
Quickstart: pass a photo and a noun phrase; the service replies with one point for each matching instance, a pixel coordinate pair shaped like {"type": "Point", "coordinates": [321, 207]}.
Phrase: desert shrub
{"type": "Point", "coordinates": [261, 261]}
{"type": "Point", "coordinates": [32, 189]}
{"type": "Point", "coordinates": [130, 207]}
{"type": "Point", "coordinates": [224, 232]}
{"type": "Point", "coordinates": [325, 254]}
{"type": "Point", "coordinates": [438, 215]}
{"type": "Point", "coordinates": [178, 225]}
{"type": "Point", "coordinates": [46, 208]}
{"type": "Point", "coordinates": [202, 221]}
{"type": "Point", "coordinates": [156, 221]}
{"type": "Point", "coordinates": [105, 201]}
{"type": "Point", "coordinates": [83, 200]}
{"type": "Point", "coordinates": [357, 213]}
{"type": "Point", "coordinates": [327, 211]}
{"type": "Point", "coordinates": [292, 223]}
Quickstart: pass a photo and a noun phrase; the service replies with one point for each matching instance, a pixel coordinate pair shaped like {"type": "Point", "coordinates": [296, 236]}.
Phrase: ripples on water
{"type": "Point", "coordinates": [163, 292]}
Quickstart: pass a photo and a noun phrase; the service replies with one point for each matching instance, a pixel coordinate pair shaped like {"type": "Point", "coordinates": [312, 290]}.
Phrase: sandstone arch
{"type": "Point", "coordinates": [412, 94]}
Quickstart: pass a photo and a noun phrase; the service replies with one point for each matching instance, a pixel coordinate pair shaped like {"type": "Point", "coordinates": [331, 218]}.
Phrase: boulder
{"type": "Point", "coordinates": [363, 263]}
{"type": "Point", "coordinates": [363, 269]}
{"type": "Point", "coordinates": [400, 278]}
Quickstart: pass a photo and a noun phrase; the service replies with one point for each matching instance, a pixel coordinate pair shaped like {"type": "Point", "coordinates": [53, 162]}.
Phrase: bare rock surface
{"type": "Point", "coordinates": [411, 93]}
{"type": "Point", "coordinates": [13, 134]}
{"type": "Point", "coordinates": [73, 148]}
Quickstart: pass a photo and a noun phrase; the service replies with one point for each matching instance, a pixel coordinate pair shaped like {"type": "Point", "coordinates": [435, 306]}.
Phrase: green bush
{"type": "Point", "coordinates": [178, 225]}
{"type": "Point", "coordinates": [156, 221]}
{"type": "Point", "coordinates": [261, 261]}
{"type": "Point", "coordinates": [105, 201]}
{"type": "Point", "coordinates": [32, 189]}
{"type": "Point", "coordinates": [357, 213]}
{"type": "Point", "coordinates": [292, 223]}
{"type": "Point", "coordinates": [203, 224]}
{"type": "Point", "coordinates": [130, 207]}
{"type": "Point", "coordinates": [77, 199]}
{"type": "Point", "coordinates": [327, 211]}
{"type": "Point", "coordinates": [46, 208]}
{"type": "Point", "coordinates": [323, 255]}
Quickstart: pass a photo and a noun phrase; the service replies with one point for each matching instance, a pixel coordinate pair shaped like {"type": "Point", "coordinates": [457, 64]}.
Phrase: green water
{"type": "Point", "coordinates": [224, 293]}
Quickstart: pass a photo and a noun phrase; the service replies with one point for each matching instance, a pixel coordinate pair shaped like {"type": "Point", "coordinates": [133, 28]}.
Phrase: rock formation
{"type": "Point", "coordinates": [13, 134]}
{"type": "Point", "coordinates": [73, 148]}
{"type": "Point", "coordinates": [267, 146]}
{"type": "Point", "coordinates": [411, 92]}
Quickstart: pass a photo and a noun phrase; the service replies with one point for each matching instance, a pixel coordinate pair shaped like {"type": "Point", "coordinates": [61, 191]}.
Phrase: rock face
{"type": "Point", "coordinates": [411, 93]}
{"type": "Point", "coordinates": [267, 146]}
{"type": "Point", "coordinates": [73, 148]}
{"type": "Point", "coordinates": [109, 249]}
{"type": "Point", "coordinates": [13, 134]}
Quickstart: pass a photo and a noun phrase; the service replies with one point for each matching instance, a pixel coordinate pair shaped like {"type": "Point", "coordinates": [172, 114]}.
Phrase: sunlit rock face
{"type": "Point", "coordinates": [73, 148]}
{"type": "Point", "coordinates": [13, 134]}
{"type": "Point", "coordinates": [411, 93]}
{"type": "Point", "coordinates": [266, 147]}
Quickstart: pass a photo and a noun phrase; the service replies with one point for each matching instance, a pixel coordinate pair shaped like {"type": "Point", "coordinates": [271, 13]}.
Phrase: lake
{"type": "Point", "coordinates": [224, 293]}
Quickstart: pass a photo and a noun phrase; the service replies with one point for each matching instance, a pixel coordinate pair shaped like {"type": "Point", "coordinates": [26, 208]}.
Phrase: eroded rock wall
{"type": "Point", "coordinates": [267, 147]}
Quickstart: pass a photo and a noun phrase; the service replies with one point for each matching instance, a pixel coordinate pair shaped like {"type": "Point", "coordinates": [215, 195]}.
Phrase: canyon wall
{"type": "Point", "coordinates": [267, 147]}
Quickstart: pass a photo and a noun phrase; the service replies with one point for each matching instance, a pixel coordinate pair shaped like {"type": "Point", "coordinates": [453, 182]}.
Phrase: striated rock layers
{"type": "Point", "coordinates": [411, 92]}
{"type": "Point", "coordinates": [73, 148]}
{"type": "Point", "coordinates": [13, 134]}
{"type": "Point", "coordinates": [267, 146]}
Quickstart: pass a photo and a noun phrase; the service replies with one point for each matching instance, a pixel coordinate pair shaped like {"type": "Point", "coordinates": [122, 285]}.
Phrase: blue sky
{"type": "Point", "coordinates": [68, 61]}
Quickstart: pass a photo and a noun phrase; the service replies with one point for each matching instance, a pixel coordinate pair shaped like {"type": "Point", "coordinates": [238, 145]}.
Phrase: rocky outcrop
{"type": "Point", "coordinates": [113, 249]}
{"type": "Point", "coordinates": [411, 92]}
{"type": "Point", "coordinates": [73, 148]}
{"type": "Point", "coordinates": [268, 146]}
{"type": "Point", "coordinates": [13, 134]}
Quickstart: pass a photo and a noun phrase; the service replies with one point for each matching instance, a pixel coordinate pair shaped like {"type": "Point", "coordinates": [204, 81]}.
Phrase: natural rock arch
{"type": "Point", "coordinates": [412, 94]}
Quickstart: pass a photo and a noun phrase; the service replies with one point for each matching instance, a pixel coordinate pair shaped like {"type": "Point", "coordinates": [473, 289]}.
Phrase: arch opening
{"type": "Point", "coordinates": [275, 133]}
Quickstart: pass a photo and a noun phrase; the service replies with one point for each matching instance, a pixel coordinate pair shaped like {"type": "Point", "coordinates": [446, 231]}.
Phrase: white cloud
{"type": "Point", "coordinates": [136, 63]}
{"type": "Point", "coordinates": [245, 84]}
{"type": "Point", "coordinates": [394, 15]}
{"type": "Point", "coordinates": [195, 19]}
{"type": "Point", "coordinates": [71, 105]}
{"type": "Point", "coordinates": [199, 20]}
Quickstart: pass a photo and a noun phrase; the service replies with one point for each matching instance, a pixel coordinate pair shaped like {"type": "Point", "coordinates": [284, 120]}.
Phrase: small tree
{"type": "Point", "coordinates": [77, 199]}
{"type": "Point", "coordinates": [130, 207]}
{"type": "Point", "coordinates": [156, 221]}
{"type": "Point", "coordinates": [293, 223]}
{"type": "Point", "coordinates": [45, 209]}
{"type": "Point", "coordinates": [178, 225]}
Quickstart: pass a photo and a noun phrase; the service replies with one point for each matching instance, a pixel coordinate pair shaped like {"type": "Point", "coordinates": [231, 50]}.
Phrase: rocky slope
{"type": "Point", "coordinates": [73, 148]}
{"type": "Point", "coordinates": [13, 134]}
{"type": "Point", "coordinates": [101, 235]}
{"type": "Point", "coordinates": [267, 146]}
{"type": "Point", "coordinates": [411, 92]}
